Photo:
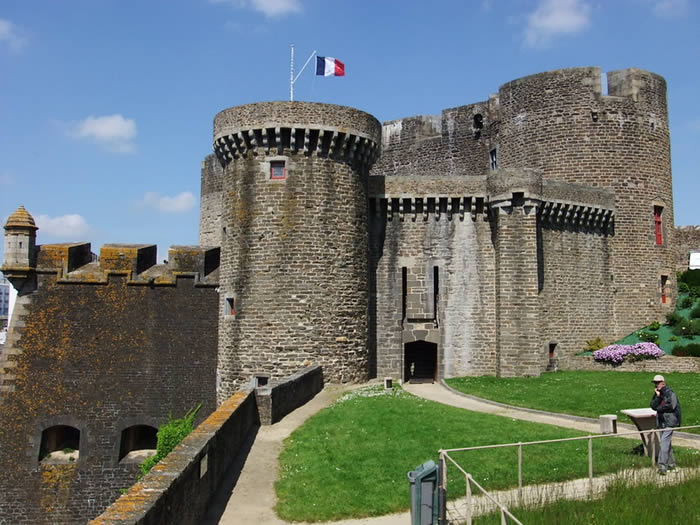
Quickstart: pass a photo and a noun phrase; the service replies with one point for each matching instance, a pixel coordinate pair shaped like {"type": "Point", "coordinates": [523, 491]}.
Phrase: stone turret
{"type": "Point", "coordinates": [20, 247]}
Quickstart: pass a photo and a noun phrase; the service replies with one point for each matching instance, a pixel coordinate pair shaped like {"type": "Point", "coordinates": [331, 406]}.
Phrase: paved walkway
{"type": "Point", "coordinates": [248, 495]}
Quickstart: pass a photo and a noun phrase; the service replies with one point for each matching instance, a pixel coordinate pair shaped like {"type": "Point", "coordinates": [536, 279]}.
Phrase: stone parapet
{"type": "Point", "coordinates": [281, 397]}
{"type": "Point", "coordinates": [178, 489]}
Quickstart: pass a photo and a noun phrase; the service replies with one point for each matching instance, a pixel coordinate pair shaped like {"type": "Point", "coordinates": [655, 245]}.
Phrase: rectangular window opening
{"type": "Point", "coordinates": [278, 170]}
{"type": "Point", "coordinates": [664, 283]}
{"type": "Point", "coordinates": [658, 225]}
{"type": "Point", "coordinates": [230, 306]}
{"type": "Point", "coordinates": [493, 156]}
{"type": "Point", "coordinates": [404, 291]}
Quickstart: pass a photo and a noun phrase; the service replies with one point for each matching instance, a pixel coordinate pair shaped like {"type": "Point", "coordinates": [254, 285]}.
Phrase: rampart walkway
{"type": "Point", "coordinates": [249, 495]}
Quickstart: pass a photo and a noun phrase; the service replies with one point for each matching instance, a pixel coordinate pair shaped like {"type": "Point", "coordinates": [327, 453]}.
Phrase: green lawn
{"type": "Point", "coordinates": [621, 505]}
{"type": "Point", "coordinates": [351, 459]}
{"type": "Point", "coordinates": [585, 393]}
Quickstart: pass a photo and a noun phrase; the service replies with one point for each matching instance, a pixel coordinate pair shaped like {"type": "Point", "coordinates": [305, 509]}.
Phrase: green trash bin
{"type": "Point", "coordinates": [424, 494]}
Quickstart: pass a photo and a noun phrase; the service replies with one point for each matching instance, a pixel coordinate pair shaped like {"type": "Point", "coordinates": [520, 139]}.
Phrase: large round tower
{"type": "Point", "coordinates": [294, 246]}
{"type": "Point", "coordinates": [562, 123]}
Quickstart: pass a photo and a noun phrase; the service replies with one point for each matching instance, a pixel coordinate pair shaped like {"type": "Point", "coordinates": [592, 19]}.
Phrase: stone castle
{"type": "Point", "coordinates": [495, 238]}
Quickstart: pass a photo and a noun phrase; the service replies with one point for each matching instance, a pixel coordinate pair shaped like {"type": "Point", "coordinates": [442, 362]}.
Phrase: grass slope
{"type": "Point", "coordinates": [587, 394]}
{"type": "Point", "coordinates": [351, 459]}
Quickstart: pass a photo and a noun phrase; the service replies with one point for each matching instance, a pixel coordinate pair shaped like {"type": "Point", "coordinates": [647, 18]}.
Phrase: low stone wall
{"type": "Point", "coordinates": [654, 366]}
{"type": "Point", "coordinates": [281, 397]}
{"type": "Point", "coordinates": [178, 489]}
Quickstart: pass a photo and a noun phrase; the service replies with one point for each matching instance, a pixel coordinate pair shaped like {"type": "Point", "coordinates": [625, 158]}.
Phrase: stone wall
{"type": "Point", "coordinates": [687, 240]}
{"type": "Point", "coordinates": [577, 289]}
{"type": "Point", "coordinates": [459, 245]}
{"type": "Point", "coordinates": [179, 488]}
{"type": "Point", "coordinates": [99, 349]}
{"type": "Point", "coordinates": [278, 399]}
{"type": "Point", "coordinates": [210, 212]}
{"type": "Point", "coordinates": [666, 364]}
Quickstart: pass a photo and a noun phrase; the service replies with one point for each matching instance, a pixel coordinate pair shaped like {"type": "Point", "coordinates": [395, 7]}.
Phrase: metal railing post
{"type": "Point", "coordinates": [520, 472]}
{"type": "Point", "coordinates": [442, 490]}
{"type": "Point", "coordinates": [590, 466]}
{"type": "Point", "coordinates": [469, 500]}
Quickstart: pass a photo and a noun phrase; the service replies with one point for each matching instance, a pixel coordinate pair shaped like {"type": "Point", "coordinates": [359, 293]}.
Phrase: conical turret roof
{"type": "Point", "coordinates": [21, 219]}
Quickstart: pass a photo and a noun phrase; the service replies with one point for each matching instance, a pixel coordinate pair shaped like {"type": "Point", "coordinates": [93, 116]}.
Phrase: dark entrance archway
{"type": "Point", "coordinates": [420, 362]}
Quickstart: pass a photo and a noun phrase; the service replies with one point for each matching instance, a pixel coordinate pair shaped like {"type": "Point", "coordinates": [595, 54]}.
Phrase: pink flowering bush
{"type": "Point", "coordinates": [616, 354]}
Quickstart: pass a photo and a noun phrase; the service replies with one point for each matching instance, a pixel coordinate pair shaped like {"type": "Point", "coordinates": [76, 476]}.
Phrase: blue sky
{"type": "Point", "coordinates": [106, 106]}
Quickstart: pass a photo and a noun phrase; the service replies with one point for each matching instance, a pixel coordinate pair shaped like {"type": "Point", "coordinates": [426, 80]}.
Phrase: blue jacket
{"type": "Point", "coordinates": [668, 409]}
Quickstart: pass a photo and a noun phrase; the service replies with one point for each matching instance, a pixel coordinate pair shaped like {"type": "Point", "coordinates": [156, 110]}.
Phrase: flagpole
{"type": "Point", "coordinates": [292, 78]}
{"type": "Point", "coordinates": [291, 73]}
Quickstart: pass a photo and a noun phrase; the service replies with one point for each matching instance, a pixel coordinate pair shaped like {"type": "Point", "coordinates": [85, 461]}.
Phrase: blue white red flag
{"type": "Point", "coordinates": [329, 67]}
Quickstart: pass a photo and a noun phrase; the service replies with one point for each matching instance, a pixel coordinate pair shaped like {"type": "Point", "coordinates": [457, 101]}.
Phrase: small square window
{"type": "Point", "coordinates": [278, 170]}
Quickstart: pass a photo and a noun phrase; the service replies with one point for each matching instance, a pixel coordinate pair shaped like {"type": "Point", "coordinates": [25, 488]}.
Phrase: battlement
{"type": "Point", "coordinates": [75, 263]}
{"type": "Point", "coordinates": [337, 132]}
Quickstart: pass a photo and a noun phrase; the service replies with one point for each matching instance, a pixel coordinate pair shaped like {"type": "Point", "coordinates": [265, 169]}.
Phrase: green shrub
{"type": "Point", "coordinates": [683, 288]}
{"type": "Point", "coordinates": [695, 312]}
{"type": "Point", "coordinates": [673, 318]}
{"type": "Point", "coordinates": [695, 326]}
{"type": "Point", "coordinates": [682, 328]}
{"type": "Point", "coordinates": [595, 344]}
{"type": "Point", "coordinates": [691, 278]}
{"type": "Point", "coordinates": [169, 436]}
{"type": "Point", "coordinates": [673, 338]}
{"type": "Point", "coordinates": [646, 335]}
{"type": "Point", "coordinates": [694, 292]}
{"type": "Point", "coordinates": [655, 325]}
{"type": "Point", "coordinates": [686, 302]}
{"type": "Point", "coordinates": [691, 349]}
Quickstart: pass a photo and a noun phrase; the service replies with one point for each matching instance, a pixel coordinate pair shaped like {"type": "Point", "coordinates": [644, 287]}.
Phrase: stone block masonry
{"type": "Point", "coordinates": [100, 349]}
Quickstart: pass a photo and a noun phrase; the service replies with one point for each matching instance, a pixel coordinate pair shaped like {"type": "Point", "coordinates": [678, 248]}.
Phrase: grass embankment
{"type": "Point", "coordinates": [351, 459]}
{"type": "Point", "coordinates": [668, 338]}
{"type": "Point", "coordinates": [588, 394]}
{"type": "Point", "coordinates": [645, 504]}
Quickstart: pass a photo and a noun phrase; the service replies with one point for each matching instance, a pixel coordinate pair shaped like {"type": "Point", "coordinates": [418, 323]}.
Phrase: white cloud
{"type": "Point", "coordinates": [554, 18]}
{"type": "Point", "coordinates": [180, 203]}
{"type": "Point", "coordinates": [114, 132]}
{"type": "Point", "coordinates": [11, 35]}
{"type": "Point", "coordinates": [267, 7]}
{"type": "Point", "coordinates": [66, 227]}
{"type": "Point", "coordinates": [670, 8]}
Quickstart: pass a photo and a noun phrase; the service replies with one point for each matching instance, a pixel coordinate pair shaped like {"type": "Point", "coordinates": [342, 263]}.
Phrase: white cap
{"type": "Point", "coordinates": [658, 378]}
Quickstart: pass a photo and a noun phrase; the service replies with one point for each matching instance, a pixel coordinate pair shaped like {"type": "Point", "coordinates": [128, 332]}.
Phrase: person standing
{"type": "Point", "coordinates": [668, 415]}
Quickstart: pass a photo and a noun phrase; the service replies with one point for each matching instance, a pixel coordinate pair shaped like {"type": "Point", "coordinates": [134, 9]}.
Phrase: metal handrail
{"type": "Point", "coordinates": [444, 454]}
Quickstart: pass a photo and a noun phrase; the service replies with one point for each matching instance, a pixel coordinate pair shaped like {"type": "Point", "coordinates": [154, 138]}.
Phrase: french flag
{"type": "Point", "coordinates": [329, 67]}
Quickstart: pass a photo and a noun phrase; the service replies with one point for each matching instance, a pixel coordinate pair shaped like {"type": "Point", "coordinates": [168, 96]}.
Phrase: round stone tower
{"type": "Point", "coordinates": [562, 123]}
{"type": "Point", "coordinates": [294, 240]}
